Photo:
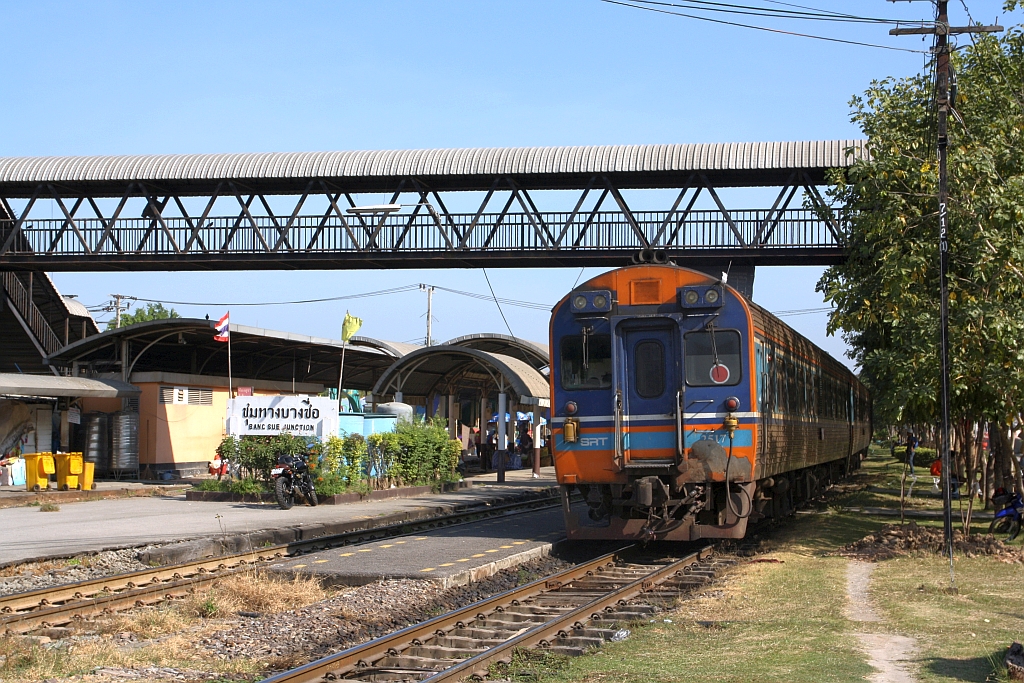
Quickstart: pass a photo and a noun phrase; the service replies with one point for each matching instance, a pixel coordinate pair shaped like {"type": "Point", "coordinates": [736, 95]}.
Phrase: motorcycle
{"type": "Point", "coordinates": [292, 477]}
{"type": "Point", "coordinates": [1008, 519]}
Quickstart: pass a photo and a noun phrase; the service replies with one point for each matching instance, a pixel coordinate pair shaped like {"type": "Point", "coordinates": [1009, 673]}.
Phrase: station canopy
{"type": "Point", "coordinates": [186, 346]}
{"type": "Point", "coordinates": [48, 386]}
{"type": "Point", "coordinates": [531, 352]}
{"type": "Point", "coordinates": [448, 369]}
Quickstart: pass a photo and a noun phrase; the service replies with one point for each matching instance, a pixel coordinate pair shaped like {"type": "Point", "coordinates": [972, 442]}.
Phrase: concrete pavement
{"type": "Point", "coordinates": [452, 556]}
{"type": "Point", "coordinates": [97, 525]}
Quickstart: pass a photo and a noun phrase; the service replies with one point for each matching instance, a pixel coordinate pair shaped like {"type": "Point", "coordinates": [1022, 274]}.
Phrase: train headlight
{"type": "Point", "coordinates": [691, 297]}
{"type": "Point", "coordinates": [579, 302]}
{"type": "Point", "coordinates": [571, 408]}
{"type": "Point", "coordinates": [711, 296]}
{"type": "Point", "coordinates": [600, 301]}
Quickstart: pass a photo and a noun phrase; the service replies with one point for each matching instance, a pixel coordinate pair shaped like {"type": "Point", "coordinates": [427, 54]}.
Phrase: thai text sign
{"type": "Point", "coordinates": [298, 415]}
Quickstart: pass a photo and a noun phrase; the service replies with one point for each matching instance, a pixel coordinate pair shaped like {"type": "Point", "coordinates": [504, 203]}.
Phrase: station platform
{"type": "Point", "coordinates": [173, 522]}
{"type": "Point", "coordinates": [452, 556]}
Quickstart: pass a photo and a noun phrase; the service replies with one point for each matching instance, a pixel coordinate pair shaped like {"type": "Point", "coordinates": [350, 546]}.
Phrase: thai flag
{"type": "Point", "coordinates": [223, 328]}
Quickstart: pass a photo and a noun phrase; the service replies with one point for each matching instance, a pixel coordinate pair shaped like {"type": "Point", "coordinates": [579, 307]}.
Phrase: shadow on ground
{"type": "Point", "coordinates": [975, 669]}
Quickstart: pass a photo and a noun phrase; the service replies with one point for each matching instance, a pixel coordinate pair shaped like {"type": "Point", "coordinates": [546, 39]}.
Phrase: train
{"type": "Point", "coordinates": [680, 410]}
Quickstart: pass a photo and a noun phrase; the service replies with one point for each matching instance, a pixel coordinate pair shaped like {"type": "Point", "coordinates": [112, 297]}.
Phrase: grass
{"type": "Point", "coordinates": [786, 622]}
{"type": "Point", "coordinates": [24, 662]}
{"type": "Point", "coordinates": [49, 507]}
{"type": "Point", "coordinates": [960, 635]}
{"type": "Point", "coordinates": [167, 632]}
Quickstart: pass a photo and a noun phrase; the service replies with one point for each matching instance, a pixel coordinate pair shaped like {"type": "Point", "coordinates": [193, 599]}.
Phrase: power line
{"type": "Point", "coordinates": [394, 290]}
{"type": "Point", "coordinates": [760, 28]}
{"type": "Point", "coordinates": [498, 304]}
{"type": "Point", "coordinates": [507, 302]}
{"type": "Point", "coordinates": [801, 311]}
{"type": "Point", "coordinates": [750, 10]}
{"type": "Point", "coordinates": [362, 295]}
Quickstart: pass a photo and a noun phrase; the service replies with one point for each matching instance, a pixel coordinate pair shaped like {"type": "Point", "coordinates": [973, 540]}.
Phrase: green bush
{"type": "Point", "coordinates": [923, 457]}
{"type": "Point", "coordinates": [246, 486]}
{"type": "Point", "coordinates": [228, 448]}
{"type": "Point", "coordinates": [211, 485]}
{"type": "Point", "coordinates": [232, 486]}
{"type": "Point", "coordinates": [416, 453]}
{"type": "Point", "coordinates": [345, 457]}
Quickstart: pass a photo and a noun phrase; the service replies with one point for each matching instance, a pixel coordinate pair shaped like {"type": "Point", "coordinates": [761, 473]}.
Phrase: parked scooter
{"type": "Point", "coordinates": [291, 477]}
{"type": "Point", "coordinates": [1008, 519]}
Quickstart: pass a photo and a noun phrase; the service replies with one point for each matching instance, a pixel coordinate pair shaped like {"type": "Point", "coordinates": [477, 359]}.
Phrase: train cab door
{"type": "Point", "coordinates": [646, 397]}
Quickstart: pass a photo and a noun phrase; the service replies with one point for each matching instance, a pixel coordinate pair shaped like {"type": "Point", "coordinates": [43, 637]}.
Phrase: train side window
{"type": "Point", "coordinates": [589, 370]}
{"type": "Point", "coordinates": [649, 368]}
{"type": "Point", "coordinates": [699, 358]}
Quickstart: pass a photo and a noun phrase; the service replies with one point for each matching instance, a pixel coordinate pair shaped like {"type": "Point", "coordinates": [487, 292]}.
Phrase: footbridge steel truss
{"type": "Point", "coordinates": [146, 224]}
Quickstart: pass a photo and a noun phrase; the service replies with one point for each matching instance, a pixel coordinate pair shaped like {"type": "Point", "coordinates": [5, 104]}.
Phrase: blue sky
{"type": "Point", "coordinates": [136, 78]}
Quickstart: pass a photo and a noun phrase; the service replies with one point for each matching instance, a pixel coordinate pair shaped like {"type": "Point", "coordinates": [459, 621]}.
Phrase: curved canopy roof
{"type": "Point", "coordinates": [187, 346]}
{"type": "Point", "coordinates": [737, 163]}
{"type": "Point", "coordinates": [533, 353]}
{"type": "Point", "coordinates": [393, 349]}
{"type": "Point", "coordinates": [437, 369]}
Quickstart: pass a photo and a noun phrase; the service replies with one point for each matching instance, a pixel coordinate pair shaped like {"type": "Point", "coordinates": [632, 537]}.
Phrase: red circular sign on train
{"type": "Point", "coordinates": [719, 374]}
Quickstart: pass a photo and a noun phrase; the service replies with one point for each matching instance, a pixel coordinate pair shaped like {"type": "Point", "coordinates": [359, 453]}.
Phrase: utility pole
{"type": "Point", "coordinates": [942, 30]}
{"type": "Point", "coordinates": [116, 307]}
{"type": "Point", "coordinates": [429, 289]}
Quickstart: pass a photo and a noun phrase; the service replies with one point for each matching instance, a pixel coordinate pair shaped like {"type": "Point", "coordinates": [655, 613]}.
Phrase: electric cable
{"type": "Point", "coordinates": [762, 28]}
{"type": "Point", "coordinates": [750, 10]}
{"type": "Point", "coordinates": [509, 327]}
{"type": "Point", "coordinates": [382, 292]}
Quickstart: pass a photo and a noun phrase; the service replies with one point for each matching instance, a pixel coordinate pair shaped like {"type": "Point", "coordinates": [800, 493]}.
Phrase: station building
{"type": "Point", "coordinates": [183, 379]}
{"type": "Point", "coordinates": [168, 380]}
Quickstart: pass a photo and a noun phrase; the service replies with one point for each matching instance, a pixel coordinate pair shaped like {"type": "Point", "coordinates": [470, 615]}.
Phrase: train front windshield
{"type": "Point", "coordinates": [587, 362]}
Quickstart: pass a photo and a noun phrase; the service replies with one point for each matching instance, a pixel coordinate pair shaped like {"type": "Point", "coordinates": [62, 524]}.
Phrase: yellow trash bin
{"type": "Point", "coordinates": [88, 470]}
{"type": "Point", "coordinates": [69, 471]}
{"type": "Point", "coordinates": [38, 468]}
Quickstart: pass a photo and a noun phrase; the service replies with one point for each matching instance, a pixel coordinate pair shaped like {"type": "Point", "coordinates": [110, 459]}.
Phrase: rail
{"type": "Point", "coordinates": [59, 605]}
{"type": "Point", "coordinates": [567, 612]}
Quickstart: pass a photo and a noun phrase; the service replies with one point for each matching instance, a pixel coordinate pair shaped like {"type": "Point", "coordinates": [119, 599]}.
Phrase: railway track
{"type": "Point", "coordinates": [62, 605]}
{"type": "Point", "coordinates": [568, 612]}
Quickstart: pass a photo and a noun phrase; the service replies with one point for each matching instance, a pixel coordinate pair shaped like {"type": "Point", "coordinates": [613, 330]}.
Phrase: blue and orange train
{"type": "Point", "coordinates": [681, 410]}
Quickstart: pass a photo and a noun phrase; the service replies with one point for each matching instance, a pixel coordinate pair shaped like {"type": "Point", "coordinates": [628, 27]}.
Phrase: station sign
{"type": "Point", "coordinates": [269, 415]}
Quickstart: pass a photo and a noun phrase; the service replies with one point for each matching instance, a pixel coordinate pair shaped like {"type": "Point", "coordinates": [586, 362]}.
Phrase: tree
{"type": "Point", "coordinates": [886, 294]}
{"type": "Point", "coordinates": [141, 315]}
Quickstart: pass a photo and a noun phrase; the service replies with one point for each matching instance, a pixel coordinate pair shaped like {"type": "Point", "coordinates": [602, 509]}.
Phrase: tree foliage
{"type": "Point", "coordinates": [141, 315]}
{"type": "Point", "coordinates": [886, 294]}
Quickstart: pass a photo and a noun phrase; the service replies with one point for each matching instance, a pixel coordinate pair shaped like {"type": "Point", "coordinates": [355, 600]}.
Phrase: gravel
{"type": "Point", "coordinates": [33, 575]}
{"type": "Point", "coordinates": [356, 615]}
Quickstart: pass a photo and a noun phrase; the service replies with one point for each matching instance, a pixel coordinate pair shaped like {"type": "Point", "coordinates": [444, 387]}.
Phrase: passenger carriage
{"type": "Point", "coordinates": [666, 384]}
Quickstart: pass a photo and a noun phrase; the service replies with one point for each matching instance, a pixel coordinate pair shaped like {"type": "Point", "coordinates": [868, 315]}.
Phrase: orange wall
{"type": "Point", "coordinates": [175, 433]}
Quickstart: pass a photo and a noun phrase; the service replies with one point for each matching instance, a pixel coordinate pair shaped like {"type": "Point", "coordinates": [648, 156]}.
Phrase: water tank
{"type": "Point", "coordinates": [124, 441]}
{"type": "Point", "coordinates": [96, 446]}
{"type": "Point", "coordinates": [403, 411]}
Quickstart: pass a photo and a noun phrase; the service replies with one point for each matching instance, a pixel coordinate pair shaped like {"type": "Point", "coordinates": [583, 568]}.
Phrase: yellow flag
{"type": "Point", "coordinates": [350, 326]}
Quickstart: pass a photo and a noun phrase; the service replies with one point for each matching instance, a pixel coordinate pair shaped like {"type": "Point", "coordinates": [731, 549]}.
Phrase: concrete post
{"type": "Point", "coordinates": [452, 427]}
{"type": "Point", "coordinates": [502, 426]}
{"type": "Point", "coordinates": [398, 396]}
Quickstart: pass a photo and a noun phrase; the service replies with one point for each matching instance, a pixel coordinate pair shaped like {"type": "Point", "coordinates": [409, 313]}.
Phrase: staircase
{"type": "Point", "coordinates": [21, 303]}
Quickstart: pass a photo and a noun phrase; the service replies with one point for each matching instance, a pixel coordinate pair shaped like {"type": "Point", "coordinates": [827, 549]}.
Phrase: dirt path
{"type": "Point", "coordinates": [888, 653]}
